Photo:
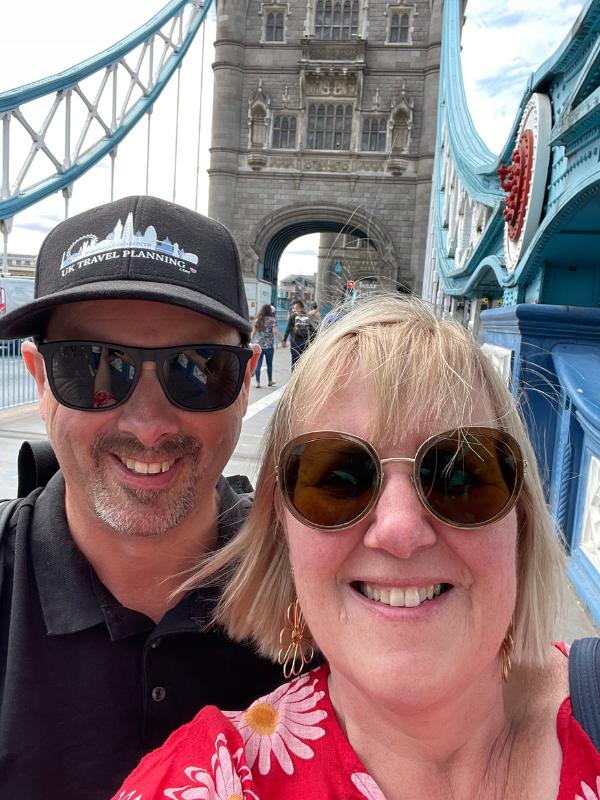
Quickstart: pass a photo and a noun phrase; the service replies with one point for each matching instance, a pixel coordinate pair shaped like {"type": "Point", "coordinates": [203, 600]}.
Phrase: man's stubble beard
{"type": "Point", "coordinates": [146, 512]}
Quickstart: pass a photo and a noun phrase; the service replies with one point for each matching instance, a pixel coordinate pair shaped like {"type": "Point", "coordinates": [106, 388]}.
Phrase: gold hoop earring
{"type": "Point", "coordinates": [506, 653]}
{"type": "Point", "coordinates": [295, 652]}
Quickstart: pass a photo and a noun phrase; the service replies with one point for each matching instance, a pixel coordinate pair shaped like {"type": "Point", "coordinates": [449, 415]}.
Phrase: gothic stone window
{"type": "Point", "coordinates": [400, 25]}
{"type": "Point", "coordinates": [284, 131]}
{"type": "Point", "coordinates": [274, 16]}
{"type": "Point", "coordinates": [374, 134]}
{"type": "Point", "coordinates": [336, 19]}
{"type": "Point", "coordinates": [274, 24]}
{"type": "Point", "coordinates": [329, 126]}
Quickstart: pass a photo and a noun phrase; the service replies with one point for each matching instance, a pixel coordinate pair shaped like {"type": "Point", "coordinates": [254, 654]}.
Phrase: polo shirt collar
{"type": "Point", "coordinates": [62, 573]}
{"type": "Point", "coordinates": [73, 598]}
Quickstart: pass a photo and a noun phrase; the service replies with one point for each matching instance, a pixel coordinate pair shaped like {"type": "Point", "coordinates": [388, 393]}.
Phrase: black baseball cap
{"type": "Point", "coordinates": [137, 248]}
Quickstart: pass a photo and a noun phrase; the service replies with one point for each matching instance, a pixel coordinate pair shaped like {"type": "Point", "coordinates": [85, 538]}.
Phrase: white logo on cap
{"type": "Point", "coordinates": [124, 241]}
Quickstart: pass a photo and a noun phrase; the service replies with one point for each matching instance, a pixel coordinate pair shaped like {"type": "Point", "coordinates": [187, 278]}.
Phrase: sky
{"type": "Point", "coordinates": [503, 43]}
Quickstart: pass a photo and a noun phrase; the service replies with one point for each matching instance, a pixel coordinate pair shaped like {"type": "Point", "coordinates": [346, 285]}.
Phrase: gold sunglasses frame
{"type": "Point", "coordinates": [474, 430]}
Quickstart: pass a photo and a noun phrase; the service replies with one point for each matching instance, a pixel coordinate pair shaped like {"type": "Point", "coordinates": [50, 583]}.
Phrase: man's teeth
{"type": "Point", "coordinates": [145, 468]}
{"type": "Point", "coordinates": [411, 597]}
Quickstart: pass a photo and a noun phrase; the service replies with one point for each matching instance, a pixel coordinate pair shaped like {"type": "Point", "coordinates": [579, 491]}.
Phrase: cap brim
{"type": "Point", "coordinates": [31, 319]}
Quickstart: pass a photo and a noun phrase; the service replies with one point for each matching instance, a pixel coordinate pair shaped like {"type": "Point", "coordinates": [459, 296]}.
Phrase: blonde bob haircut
{"type": "Point", "coordinates": [419, 368]}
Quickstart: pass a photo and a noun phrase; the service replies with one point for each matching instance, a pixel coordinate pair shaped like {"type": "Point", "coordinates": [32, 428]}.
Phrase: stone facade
{"type": "Point", "coordinates": [326, 122]}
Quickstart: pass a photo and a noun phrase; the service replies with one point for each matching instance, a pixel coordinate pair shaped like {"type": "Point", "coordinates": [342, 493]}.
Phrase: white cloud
{"type": "Point", "coordinates": [503, 44]}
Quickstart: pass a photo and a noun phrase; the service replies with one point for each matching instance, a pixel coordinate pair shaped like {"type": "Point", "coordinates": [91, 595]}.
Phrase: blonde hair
{"type": "Point", "coordinates": [408, 354]}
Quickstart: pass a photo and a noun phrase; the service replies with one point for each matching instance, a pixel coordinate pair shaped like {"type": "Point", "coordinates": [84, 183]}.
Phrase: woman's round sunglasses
{"type": "Point", "coordinates": [467, 477]}
{"type": "Point", "coordinates": [96, 376]}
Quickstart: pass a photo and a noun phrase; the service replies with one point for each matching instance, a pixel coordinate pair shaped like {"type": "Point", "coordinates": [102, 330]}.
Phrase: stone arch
{"type": "Point", "coordinates": [274, 233]}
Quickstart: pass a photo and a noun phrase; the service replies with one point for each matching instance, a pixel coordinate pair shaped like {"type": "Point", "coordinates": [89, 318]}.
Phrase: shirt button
{"type": "Point", "coordinates": [155, 642]}
{"type": "Point", "coordinates": [158, 694]}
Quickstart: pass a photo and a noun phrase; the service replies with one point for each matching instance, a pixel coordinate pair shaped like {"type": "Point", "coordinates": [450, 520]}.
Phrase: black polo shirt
{"type": "Point", "coordinates": [88, 686]}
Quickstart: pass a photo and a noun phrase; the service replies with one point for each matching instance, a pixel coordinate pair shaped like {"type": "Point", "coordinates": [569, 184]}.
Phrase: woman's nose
{"type": "Point", "coordinates": [399, 523]}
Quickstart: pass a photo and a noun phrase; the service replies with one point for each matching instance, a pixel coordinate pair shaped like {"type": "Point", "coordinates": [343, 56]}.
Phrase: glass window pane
{"type": "Point", "coordinates": [404, 29]}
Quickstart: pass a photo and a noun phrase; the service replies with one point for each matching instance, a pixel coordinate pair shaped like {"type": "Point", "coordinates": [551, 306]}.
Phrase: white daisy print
{"type": "Point", "coordinates": [225, 783]}
{"type": "Point", "coordinates": [278, 724]}
{"type": "Point", "coordinates": [367, 786]}
{"type": "Point", "coordinates": [588, 792]}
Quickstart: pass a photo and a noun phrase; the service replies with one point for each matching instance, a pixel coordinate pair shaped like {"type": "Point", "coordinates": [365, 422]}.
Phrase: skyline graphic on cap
{"type": "Point", "coordinates": [126, 238]}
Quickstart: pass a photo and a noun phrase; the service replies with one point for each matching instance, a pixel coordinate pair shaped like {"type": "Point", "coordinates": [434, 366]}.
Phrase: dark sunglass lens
{"type": "Point", "coordinates": [468, 479]}
{"type": "Point", "coordinates": [203, 379]}
{"type": "Point", "coordinates": [330, 482]}
{"type": "Point", "coordinates": [89, 376]}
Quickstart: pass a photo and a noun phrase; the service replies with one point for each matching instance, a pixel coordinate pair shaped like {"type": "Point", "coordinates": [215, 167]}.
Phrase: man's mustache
{"type": "Point", "coordinates": [128, 446]}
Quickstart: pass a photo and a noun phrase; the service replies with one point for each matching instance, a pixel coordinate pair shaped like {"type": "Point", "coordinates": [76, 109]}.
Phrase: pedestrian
{"type": "Point", "coordinates": [400, 528]}
{"type": "Point", "coordinates": [299, 331]}
{"type": "Point", "coordinates": [142, 364]}
{"type": "Point", "coordinates": [265, 330]}
{"type": "Point", "coordinates": [315, 319]}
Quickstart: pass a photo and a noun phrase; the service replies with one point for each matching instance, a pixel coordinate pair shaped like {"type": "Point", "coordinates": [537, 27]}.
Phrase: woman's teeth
{"type": "Point", "coordinates": [411, 597]}
{"type": "Point", "coordinates": [145, 468]}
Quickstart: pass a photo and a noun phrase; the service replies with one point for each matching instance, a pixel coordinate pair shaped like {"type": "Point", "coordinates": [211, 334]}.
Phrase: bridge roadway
{"type": "Point", "coordinates": [24, 423]}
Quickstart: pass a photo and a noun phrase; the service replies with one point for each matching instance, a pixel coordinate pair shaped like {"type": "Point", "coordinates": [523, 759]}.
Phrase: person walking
{"type": "Point", "coordinates": [141, 360]}
{"type": "Point", "coordinates": [299, 331]}
{"type": "Point", "coordinates": [265, 330]}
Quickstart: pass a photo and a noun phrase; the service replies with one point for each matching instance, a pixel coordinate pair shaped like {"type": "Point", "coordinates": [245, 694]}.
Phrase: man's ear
{"type": "Point", "coordinates": [245, 392]}
{"type": "Point", "coordinates": [256, 350]}
{"type": "Point", "coordinates": [35, 366]}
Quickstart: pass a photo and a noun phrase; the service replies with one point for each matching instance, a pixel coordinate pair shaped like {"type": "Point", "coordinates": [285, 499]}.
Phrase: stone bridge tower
{"type": "Point", "coordinates": [324, 121]}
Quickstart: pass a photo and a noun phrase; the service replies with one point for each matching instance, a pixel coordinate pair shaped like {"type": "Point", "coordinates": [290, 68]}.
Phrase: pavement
{"type": "Point", "coordinates": [23, 422]}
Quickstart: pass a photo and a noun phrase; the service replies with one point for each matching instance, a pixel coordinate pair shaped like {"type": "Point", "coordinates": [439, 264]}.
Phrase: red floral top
{"type": "Point", "coordinates": [289, 746]}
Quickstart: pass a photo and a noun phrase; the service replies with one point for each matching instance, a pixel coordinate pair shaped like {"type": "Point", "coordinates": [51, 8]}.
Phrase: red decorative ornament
{"type": "Point", "coordinates": [515, 179]}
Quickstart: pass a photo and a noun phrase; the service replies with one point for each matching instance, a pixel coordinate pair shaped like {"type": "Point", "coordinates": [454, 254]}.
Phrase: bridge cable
{"type": "Point", "coordinates": [200, 115]}
{"type": "Point", "coordinates": [149, 115]}
{"type": "Point", "coordinates": [175, 156]}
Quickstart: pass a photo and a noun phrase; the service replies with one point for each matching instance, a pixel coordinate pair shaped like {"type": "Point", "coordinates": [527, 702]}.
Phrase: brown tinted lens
{"type": "Point", "coordinates": [329, 482]}
{"type": "Point", "coordinates": [469, 479]}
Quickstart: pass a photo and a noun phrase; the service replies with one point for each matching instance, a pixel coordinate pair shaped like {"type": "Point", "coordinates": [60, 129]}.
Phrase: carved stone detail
{"type": "Point", "coordinates": [281, 162]}
{"type": "Point", "coordinates": [397, 166]}
{"type": "Point", "coordinates": [326, 165]}
{"type": "Point", "coordinates": [320, 50]}
{"type": "Point", "coordinates": [370, 166]}
{"type": "Point", "coordinates": [337, 85]}
{"type": "Point", "coordinates": [257, 159]}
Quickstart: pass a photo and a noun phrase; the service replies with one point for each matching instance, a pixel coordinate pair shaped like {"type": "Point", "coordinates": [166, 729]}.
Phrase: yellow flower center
{"type": "Point", "coordinates": [262, 718]}
{"type": "Point", "coordinates": [235, 797]}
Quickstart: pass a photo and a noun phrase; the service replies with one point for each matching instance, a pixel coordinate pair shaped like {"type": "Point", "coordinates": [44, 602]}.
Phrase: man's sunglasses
{"type": "Point", "coordinates": [466, 478]}
{"type": "Point", "coordinates": [96, 376]}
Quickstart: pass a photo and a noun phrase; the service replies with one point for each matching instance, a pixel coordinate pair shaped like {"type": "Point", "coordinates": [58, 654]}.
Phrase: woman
{"type": "Point", "coordinates": [399, 509]}
{"type": "Point", "coordinates": [265, 329]}
{"type": "Point", "coordinates": [299, 329]}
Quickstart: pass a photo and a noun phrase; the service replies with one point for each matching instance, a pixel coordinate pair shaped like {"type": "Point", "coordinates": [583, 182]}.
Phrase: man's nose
{"type": "Point", "coordinates": [148, 414]}
{"type": "Point", "coordinates": [399, 523]}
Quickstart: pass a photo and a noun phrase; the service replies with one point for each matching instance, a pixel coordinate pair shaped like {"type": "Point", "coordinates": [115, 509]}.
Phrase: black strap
{"type": "Point", "coordinates": [6, 510]}
{"type": "Point", "coordinates": [584, 684]}
{"type": "Point", "coordinates": [37, 464]}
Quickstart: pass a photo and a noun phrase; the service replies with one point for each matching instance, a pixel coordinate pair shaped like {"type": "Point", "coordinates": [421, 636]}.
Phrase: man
{"type": "Point", "coordinates": [299, 330]}
{"type": "Point", "coordinates": [142, 365]}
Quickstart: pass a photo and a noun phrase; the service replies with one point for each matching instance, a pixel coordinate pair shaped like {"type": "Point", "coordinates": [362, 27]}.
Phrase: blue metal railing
{"type": "Point", "coordinates": [17, 387]}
